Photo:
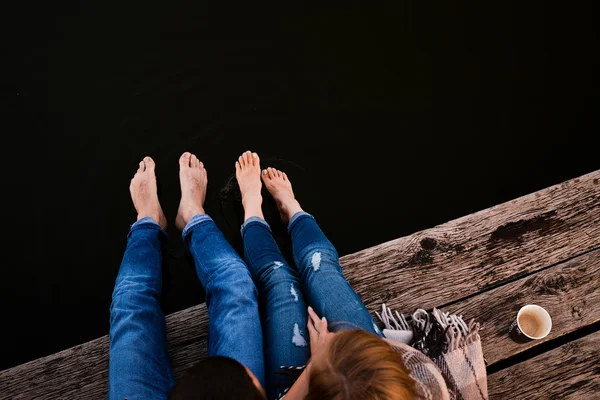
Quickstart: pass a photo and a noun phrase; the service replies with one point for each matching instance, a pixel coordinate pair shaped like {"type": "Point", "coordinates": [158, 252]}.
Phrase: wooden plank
{"type": "Point", "coordinates": [482, 250]}
{"type": "Point", "coordinates": [187, 334]}
{"type": "Point", "coordinates": [426, 269]}
{"type": "Point", "coordinates": [568, 291]}
{"type": "Point", "coordinates": [570, 371]}
{"type": "Point", "coordinates": [77, 372]}
{"type": "Point", "coordinates": [82, 371]}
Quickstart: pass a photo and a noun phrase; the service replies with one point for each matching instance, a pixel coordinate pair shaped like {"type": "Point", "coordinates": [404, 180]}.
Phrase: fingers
{"type": "Point", "coordinates": [312, 332]}
{"type": "Point", "coordinates": [319, 324]}
{"type": "Point", "coordinates": [314, 317]}
{"type": "Point", "coordinates": [323, 326]}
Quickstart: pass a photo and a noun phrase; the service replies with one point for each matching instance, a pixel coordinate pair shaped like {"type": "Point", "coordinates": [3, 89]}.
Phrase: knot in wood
{"type": "Point", "coordinates": [428, 243]}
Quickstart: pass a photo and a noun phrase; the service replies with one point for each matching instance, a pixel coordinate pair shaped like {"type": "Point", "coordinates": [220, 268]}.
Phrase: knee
{"type": "Point", "coordinates": [319, 256]}
{"type": "Point", "coordinates": [234, 278]}
{"type": "Point", "coordinates": [134, 289]}
{"type": "Point", "coordinates": [275, 272]}
{"type": "Point", "coordinates": [133, 302]}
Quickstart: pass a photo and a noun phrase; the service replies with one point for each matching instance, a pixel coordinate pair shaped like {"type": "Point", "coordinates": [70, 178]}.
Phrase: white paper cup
{"type": "Point", "coordinates": [532, 323]}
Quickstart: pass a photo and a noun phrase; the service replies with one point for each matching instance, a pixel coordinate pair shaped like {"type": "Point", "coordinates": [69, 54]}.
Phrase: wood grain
{"type": "Point", "coordinates": [82, 371]}
{"type": "Point", "coordinates": [78, 372]}
{"type": "Point", "coordinates": [568, 291]}
{"type": "Point", "coordinates": [571, 371]}
{"type": "Point", "coordinates": [187, 336]}
{"type": "Point", "coordinates": [480, 251]}
{"type": "Point", "coordinates": [430, 268]}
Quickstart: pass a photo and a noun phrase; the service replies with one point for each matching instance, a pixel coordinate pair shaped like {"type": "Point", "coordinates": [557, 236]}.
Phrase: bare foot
{"type": "Point", "coordinates": [144, 194]}
{"type": "Point", "coordinates": [280, 187]}
{"type": "Point", "coordinates": [193, 179]}
{"type": "Point", "coordinates": [247, 172]}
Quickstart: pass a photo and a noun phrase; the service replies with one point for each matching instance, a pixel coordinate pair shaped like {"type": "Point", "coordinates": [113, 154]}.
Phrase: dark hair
{"type": "Point", "coordinates": [216, 378]}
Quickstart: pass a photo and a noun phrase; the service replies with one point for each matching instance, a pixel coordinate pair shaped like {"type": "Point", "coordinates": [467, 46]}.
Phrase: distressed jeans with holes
{"type": "Point", "coordinates": [285, 292]}
{"type": "Point", "coordinates": [139, 362]}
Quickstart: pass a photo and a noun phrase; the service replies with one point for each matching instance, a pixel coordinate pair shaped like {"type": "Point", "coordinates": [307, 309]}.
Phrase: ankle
{"type": "Point", "coordinates": [193, 212]}
{"type": "Point", "coordinates": [252, 203]}
{"type": "Point", "coordinates": [141, 216]}
{"type": "Point", "coordinates": [289, 208]}
{"type": "Point", "coordinates": [250, 200]}
{"type": "Point", "coordinates": [253, 213]}
{"type": "Point", "coordinates": [155, 215]}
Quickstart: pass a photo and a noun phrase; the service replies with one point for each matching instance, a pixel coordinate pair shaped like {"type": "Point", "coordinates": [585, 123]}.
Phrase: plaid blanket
{"type": "Point", "coordinates": [442, 352]}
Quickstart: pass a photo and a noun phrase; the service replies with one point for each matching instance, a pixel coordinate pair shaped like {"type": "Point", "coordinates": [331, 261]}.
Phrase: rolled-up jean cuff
{"type": "Point", "coordinates": [146, 223]}
{"type": "Point", "coordinates": [296, 217]}
{"type": "Point", "coordinates": [196, 220]}
{"type": "Point", "coordinates": [254, 219]}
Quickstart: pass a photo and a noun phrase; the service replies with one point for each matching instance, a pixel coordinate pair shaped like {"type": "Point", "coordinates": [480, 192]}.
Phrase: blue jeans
{"type": "Point", "coordinates": [139, 363]}
{"type": "Point", "coordinates": [285, 292]}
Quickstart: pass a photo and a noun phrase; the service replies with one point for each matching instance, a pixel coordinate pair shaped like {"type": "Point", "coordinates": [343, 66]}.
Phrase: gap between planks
{"type": "Point", "coordinates": [441, 265]}
{"type": "Point", "coordinates": [570, 371]}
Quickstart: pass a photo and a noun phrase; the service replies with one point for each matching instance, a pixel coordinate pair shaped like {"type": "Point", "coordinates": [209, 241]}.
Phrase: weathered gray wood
{"type": "Point", "coordinates": [81, 372]}
{"type": "Point", "coordinates": [78, 372]}
{"type": "Point", "coordinates": [482, 250]}
{"type": "Point", "coordinates": [570, 371]}
{"type": "Point", "coordinates": [426, 269]}
{"type": "Point", "coordinates": [568, 291]}
{"type": "Point", "coordinates": [187, 334]}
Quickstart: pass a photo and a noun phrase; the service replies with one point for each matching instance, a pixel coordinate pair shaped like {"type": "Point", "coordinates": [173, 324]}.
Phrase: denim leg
{"type": "Point", "coordinates": [139, 363]}
{"type": "Point", "coordinates": [325, 287]}
{"type": "Point", "coordinates": [282, 305]}
{"type": "Point", "coordinates": [231, 297]}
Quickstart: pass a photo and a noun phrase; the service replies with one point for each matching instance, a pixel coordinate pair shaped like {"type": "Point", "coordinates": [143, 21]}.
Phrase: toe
{"type": "Point", "coordinates": [255, 159]}
{"type": "Point", "coordinates": [279, 175]}
{"type": "Point", "coordinates": [242, 161]}
{"type": "Point", "coordinates": [265, 174]}
{"type": "Point", "coordinates": [194, 161]}
{"type": "Point", "coordinates": [285, 178]}
{"type": "Point", "coordinates": [237, 166]}
{"type": "Point", "coordinates": [248, 158]}
{"type": "Point", "coordinates": [141, 167]}
{"type": "Point", "coordinates": [149, 162]}
{"type": "Point", "coordinates": [184, 160]}
{"type": "Point", "coordinates": [271, 172]}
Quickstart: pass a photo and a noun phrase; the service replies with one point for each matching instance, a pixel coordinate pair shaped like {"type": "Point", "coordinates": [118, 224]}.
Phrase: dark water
{"type": "Point", "coordinates": [388, 121]}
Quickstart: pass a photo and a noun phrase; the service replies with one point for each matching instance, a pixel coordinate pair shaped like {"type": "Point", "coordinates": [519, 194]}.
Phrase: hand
{"type": "Point", "coordinates": [319, 335]}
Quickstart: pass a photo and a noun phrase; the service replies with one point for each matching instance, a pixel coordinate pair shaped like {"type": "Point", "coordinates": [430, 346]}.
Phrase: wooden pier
{"type": "Point", "coordinates": [543, 248]}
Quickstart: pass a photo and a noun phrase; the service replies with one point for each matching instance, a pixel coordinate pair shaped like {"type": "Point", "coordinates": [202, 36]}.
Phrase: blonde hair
{"type": "Point", "coordinates": [360, 365]}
